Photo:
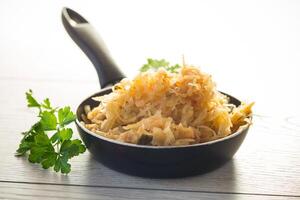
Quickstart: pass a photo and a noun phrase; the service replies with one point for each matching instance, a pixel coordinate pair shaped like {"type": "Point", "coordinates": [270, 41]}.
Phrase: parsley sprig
{"type": "Point", "coordinates": [49, 141]}
{"type": "Point", "coordinates": [154, 64]}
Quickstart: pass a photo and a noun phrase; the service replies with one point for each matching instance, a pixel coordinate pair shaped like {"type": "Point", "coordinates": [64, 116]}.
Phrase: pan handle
{"type": "Point", "coordinates": [91, 43]}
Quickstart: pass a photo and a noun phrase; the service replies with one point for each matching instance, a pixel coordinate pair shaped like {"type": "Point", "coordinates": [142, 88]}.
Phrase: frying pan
{"type": "Point", "coordinates": [140, 160]}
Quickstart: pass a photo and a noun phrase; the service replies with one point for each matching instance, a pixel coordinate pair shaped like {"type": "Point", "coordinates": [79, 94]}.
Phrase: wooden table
{"type": "Point", "coordinates": [251, 48]}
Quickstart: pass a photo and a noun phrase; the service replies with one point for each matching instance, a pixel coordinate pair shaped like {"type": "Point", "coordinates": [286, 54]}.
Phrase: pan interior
{"type": "Point", "coordinates": [92, 103]}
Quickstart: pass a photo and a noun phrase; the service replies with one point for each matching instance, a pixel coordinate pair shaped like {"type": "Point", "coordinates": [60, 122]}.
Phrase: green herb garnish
{"type": "Point", "coordinates": [49, 141]}
{"type": "Point", "coordinates": [154, 64]}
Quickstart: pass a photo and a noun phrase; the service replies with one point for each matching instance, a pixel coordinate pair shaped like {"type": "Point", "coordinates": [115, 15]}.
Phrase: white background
{"type": "Point", "coordinates": [252, 48]}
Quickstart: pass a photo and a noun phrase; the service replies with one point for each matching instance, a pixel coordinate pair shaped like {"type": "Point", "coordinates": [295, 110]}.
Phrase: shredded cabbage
{"type": "Point", "coordinates": [162, 109]}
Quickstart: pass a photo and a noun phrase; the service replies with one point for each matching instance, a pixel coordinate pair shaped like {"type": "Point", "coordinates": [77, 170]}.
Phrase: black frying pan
{"type": "Point", "coordinates": [141, 160]}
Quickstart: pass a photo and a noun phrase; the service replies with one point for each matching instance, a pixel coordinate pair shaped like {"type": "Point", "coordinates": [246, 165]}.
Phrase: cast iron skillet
{"type": "Point", "coordinates": [141, 160]}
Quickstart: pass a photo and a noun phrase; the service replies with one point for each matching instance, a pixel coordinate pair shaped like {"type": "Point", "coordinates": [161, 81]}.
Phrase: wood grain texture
{"type": "Point", "coordinates": [267, 163]}
{"type": "Point", "coordinates": [38, 191]}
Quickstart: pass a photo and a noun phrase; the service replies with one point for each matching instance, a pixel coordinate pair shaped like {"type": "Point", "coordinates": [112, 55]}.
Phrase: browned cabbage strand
{"type": "Point", "coordinates": [163, 109]}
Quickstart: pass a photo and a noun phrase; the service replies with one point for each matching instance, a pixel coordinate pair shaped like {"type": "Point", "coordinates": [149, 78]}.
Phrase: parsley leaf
{"type": "Point", "coordinates": [54, 151]}
{"type": "Point", "coordinates": [62, 135]}
{"type": "Point", "coordinates": [65, 116]}
{"type": "Point", "coordinates": [28, 139]}
{"type": "Point", "coordinates": [40, 148]}
{"type": "Point", "coordinates": [65, 134]}
{"type": "Point", "coordinates": [61, 164]}
{"type": "Point", "coordinates": [46, 104]}
{"type": "Point", "coordinates": [71, 148]}
{"type": "Point", "coordinates": [155, 64]}
{"type": "Point", "coordinates": [31, 102]}
{"type": "Point", "coordinates": [50, 160]}
{"type": "Point", "coordinates": [173, 68]}
{"type": "Point", "coordinates": [48, 120]}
